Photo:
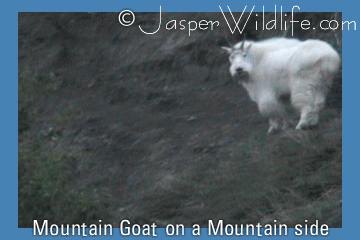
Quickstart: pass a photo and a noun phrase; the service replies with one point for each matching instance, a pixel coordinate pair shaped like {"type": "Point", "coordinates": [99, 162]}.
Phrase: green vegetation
{"type": "Point", "coordinates": [48, 187]}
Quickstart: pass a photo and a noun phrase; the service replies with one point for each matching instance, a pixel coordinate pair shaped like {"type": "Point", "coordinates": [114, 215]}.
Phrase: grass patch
{"type": "Point", "coordinates": [33, 87]}
{"type": "Point", "coordinates": [48, 185]}
{"type": "Point", "coordinates": [289, 177]}
{"type": "Point", "coordinates": [48, 189]}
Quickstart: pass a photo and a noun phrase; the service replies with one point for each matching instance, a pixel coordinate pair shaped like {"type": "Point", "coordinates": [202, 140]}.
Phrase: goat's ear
{"type": "Point", "coordinates": [227, 49]}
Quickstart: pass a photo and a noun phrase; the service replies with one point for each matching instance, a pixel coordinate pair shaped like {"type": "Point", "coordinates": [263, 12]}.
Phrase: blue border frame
{"type": "Point", "coordinates": [9, 93]}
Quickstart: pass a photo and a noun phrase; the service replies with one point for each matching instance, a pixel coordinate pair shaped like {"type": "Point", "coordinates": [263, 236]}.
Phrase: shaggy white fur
{"type": "Point", "coordinates": [277, 67]}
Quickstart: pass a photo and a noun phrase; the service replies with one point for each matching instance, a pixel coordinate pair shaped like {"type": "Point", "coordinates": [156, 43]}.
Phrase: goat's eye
{"type": "Point", "coordinates": [231, 57]}
{"type": "Point", "coordinates": [244, 54]}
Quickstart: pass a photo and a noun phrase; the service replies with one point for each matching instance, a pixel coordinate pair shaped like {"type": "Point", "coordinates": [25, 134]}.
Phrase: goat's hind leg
{"type": "Point", "coordinates": [309, 100]}
{"type": "Point", "coordinates": [308, 118]}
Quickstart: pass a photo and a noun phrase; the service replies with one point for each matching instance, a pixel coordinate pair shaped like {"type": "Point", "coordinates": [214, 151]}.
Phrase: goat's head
{"type": "Point", "coordinates": [240, 60]}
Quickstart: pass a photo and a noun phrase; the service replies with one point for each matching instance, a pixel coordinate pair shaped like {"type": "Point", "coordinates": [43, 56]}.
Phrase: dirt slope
{"type": "Point", "coordinates": [115, 124]}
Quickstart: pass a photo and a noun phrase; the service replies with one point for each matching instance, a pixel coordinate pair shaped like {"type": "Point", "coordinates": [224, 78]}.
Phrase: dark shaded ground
{"type": "Point", "coordinates": [115, 124]}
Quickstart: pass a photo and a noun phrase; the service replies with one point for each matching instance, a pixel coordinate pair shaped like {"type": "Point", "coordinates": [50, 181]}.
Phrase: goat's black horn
{"type": "Point", "coordinates": [242, 44]}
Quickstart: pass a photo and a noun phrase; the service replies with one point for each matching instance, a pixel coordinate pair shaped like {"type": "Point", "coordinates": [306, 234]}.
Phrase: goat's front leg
{"type": "Point", "coordinates": [274, 125]}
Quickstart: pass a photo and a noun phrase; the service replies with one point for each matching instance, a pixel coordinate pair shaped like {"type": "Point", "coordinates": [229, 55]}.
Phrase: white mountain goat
{"type": "Point", "coordinates": [278, 67]}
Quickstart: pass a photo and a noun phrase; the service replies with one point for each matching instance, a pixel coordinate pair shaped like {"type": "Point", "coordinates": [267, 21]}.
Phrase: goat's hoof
{"type": "Point", "coordinates": [300, 127]}
{"type": "Point", "coordinates": [272, 131]}
{"type": "Point", "coordinates": [305, 127]}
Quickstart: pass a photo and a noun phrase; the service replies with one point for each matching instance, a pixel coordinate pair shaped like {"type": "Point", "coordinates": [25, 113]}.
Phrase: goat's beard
{"type": "Point", "coordinates": [242, 77]}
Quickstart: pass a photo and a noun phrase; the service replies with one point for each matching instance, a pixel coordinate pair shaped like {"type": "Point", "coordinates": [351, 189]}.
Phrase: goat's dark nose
{"type": "Point", "coordinates": [239, 70]}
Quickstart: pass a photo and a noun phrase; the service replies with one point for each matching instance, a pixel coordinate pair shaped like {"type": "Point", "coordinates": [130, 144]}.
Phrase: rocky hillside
{"type": "Point", "coordinates": [116, 124]}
